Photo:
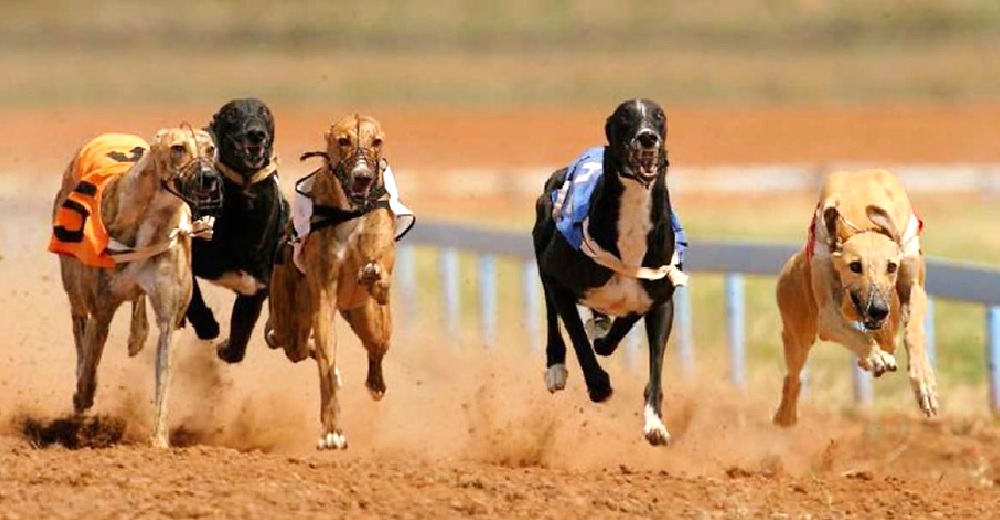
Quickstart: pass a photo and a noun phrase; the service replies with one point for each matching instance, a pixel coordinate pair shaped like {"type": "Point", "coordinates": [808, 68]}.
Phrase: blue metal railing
{"type": "Point", "coordinates": [946, 279]}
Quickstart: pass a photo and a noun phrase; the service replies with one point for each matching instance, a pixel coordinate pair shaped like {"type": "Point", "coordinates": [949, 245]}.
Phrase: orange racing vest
{"type": "Point", "coordinates": [78, 229]}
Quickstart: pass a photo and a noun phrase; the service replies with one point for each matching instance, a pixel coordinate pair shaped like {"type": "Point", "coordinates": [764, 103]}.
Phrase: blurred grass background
{"type": "Point", "coordinates": [500, 52]}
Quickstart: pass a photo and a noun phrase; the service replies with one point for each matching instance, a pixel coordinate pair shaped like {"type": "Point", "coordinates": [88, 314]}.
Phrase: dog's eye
{"type": "Point", "coordinates": [344, 141]}
{"type": "Point", "coordinates": [177, 151]}
{"type": "Point", "coordinates": [891, 268]}
{"type": "Point", "coordinates": [377, 142]}
{"type": "Point", "coordinates": [855, 267]}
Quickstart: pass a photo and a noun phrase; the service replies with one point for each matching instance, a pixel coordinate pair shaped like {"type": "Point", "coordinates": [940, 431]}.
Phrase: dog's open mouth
{"type": "Point", "coordinates": [872, 324]}
{"type": "Point", "coordinates": [254, 156]}
{"type": "Point", "coordinates": [360, 185]}
{"type": "Point", "coordinates": [644, 162]}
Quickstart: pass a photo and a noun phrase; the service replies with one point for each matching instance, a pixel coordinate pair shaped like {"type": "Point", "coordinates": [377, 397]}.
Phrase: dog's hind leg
{"type": "Point", "coordinates": [555, 346]}
{"type": "Point", "coordinates": [200, 315]}
{"type": "Point", "coordinates": [598, 383]}
{"type": "Point", "coordinates": [797, 341]}
{"type": "Point", "coordinates": [798, 333]}
{"type": "Point", "coordinates": [138, 329]}
{"type": "Point", "coordinates": [246, 311]}
{"type": "Point", "coordinates": [659, 322]}
{"type": "Point", "coordinates": [94, 338]}
{"type": "Point", "coordinates": [607, 345]}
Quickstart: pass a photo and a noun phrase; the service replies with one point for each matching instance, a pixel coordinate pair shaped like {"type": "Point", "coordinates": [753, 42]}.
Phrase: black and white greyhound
{"type": "Point", "coordinates": [619, 260]}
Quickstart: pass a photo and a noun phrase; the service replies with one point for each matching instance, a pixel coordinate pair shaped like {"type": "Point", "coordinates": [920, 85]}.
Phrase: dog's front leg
{"type": "Point", "coordinates": [921, 373]}
{"type": "Point", "coordinates": [246, 311]}
{"type": "Point", "coordinates": [376, 248]}
{"type": "Point", "coordinates": [598, 383]}
{"type": "Point", "coordinates": [331, 436]}
{"type": "Point", "coordinates": [659, 321]}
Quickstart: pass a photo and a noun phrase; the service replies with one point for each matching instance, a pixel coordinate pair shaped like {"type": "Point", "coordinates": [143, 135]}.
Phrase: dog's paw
{"type": "Point", "coordinates": [332, 441]}
{"type": "Point", "coordinates": [555, 377]}
{"type": "Point", "coordinates": [599, 387]}
{"type": "Point", "coordinates": [207, 329]}
{"type": "Point", "coordinates": [603, 347]}
{"type": "Point", "coordinates": [653, 429]}
{"type": "Point", "coordinates": [926, 395]}
{"type": "Point", "coordinates": [230, 354]}
{"type": "Point", "coordinates": [369, 274]}
{"type": "Point", "coordinates": [878, 362]}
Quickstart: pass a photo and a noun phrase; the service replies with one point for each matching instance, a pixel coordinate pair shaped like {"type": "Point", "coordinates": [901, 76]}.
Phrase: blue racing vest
{"type": "Point", "coordinates": [582, 177]}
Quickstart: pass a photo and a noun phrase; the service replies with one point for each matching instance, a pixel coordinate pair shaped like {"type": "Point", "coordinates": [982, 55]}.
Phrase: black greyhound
{"type": "Point", "coordinates": [622, 262]}
{"type": "Point", "coordinates": [241, 254]}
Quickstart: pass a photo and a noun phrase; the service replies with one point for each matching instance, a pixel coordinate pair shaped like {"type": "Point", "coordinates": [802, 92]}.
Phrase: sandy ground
{"type": "Point", "coordinates": [463, 431]}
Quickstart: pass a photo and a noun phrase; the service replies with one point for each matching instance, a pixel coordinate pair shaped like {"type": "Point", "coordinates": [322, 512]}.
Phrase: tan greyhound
{"type": "Point", "coordinates": [122, 225]}
{"type": "Point", "coordinates": [858, 281]}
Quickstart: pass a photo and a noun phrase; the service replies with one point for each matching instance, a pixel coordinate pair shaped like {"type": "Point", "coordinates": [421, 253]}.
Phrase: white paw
{"type": "Point", "coordinates": [555, 377]}
{"type": "Point", "coordinates": [653, 430]}
{"type": "Point", "coordinates": [879, 362]}
{"type": "Point", "coordinates": [926, 396]}
{"type": "Point", "coordinates": [332, 441]}
{"type": "Point", "coordinates": [597, 328]}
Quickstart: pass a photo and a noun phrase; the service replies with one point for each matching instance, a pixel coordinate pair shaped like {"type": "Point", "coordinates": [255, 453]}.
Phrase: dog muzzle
{"type": "Point", "coordinates": [645, 156]}
{"type": "Point", "coordinates": [200, 186]}
{"type": "Point", "coordinates": [359, 174]}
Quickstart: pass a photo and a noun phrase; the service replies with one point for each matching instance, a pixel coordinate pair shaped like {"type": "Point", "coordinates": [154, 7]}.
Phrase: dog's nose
{"type": "Point", "coordinates": [648, 138]}
{"type": "Point", "coordinates": [256, 136]}
{"type": "Point", "coordinates": [879, 310]}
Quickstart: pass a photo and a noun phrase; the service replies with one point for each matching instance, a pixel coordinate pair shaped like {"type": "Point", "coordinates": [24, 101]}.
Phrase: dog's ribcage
{"type": "Point", "coordinates": [622, 294]}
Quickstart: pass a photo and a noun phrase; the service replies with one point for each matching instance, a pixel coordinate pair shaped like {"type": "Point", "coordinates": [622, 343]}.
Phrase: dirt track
{"type": "Point", "coordinates": [462, 431]}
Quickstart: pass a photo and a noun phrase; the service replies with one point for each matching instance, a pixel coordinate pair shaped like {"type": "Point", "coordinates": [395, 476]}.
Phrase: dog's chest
{"type": "Point", "coordinates": [622, 294]}
{"type": "Point", "coordinates": [340, 239]}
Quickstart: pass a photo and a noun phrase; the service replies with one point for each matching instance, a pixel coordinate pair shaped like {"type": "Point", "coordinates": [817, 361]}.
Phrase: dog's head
{"type": "Point", "coordinates": [866, 260]}
{"type": "Point", "coordinates": [244, 130]}
{"type": "Point", "coordinates": [637, 134]}
{"type": "Point", "coordinates": [185, 163]}
{"type": "Point", "coordinates": [354, 150]}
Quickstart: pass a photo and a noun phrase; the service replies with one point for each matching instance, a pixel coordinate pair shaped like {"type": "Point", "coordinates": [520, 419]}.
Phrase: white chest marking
{"type": "Point", "coordinates": [622, 294]}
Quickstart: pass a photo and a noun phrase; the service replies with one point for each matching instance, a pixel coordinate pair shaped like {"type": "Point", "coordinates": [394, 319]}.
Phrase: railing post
{"type": "Point", "coordinates": [993, 356]}
{"type": "Point", "coordinates": [864, 395]}
{"type": "Point", "coordinates": [532, 303]}
{"type": "Point", "coordinates": [488, 298]}
{"type": "Point", "coordinates": [685, 344]}
{"type": "Point", "coordinates": [406, 270]}
{"type": "Point", "coordinates": [736, 327]}
{"type": "Point", "coordinates": [929, 338]}
{"type": "Point", "coordinates": [448, 261]}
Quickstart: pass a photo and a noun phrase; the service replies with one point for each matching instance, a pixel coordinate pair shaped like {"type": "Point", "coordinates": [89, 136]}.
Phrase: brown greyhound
{"type": "Point", "coordinates": [346, 263]}
{"type": "Point", "coordinates": [857, 281]}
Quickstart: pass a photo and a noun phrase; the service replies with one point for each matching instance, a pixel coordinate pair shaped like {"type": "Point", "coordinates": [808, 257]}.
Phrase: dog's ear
{"type": "Point", "coordinates": [881, 218]}
{"type": "Point", "coordinates": [830, 217]}
{"type": "Point", "coordinates": [607, 127]}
